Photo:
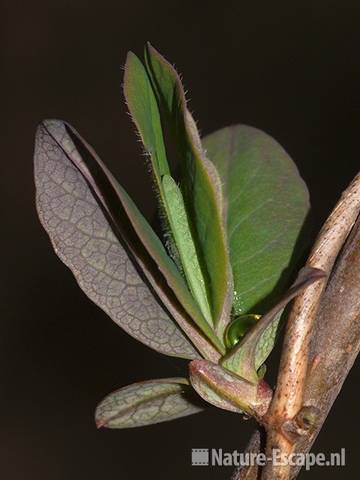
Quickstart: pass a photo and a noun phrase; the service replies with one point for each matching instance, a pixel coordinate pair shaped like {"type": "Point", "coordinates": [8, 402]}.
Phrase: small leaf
{"type": "Point", "coordinates": [84, 240]}
{"type": "Point", "coordinates": [249, 354]}
{"type": "Point", "coordinates": [145, 113]}
{"type": "Point", "coordinates": [180, 227]}
{"type": "Point", "coordinates": [199, 182]}
{"type": "Point", "coordinates": [144, 110]}
{"type": "Point", "coordinates": [267, 203]}
{"type": "Point", "coordinates": [225, 390]}
{"type": "Point", "coordinates": [175, 281]}
{"type": "Point", "coordinates": [146, 403]}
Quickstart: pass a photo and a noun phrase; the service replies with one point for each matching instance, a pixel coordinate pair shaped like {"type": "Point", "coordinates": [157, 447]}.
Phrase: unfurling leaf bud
{"type": "Point", "coordinates": [228, 391]}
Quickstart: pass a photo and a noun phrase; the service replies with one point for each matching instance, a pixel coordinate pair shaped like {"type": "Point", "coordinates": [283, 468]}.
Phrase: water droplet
{"type": "Point", "coordinates": [238, 328]}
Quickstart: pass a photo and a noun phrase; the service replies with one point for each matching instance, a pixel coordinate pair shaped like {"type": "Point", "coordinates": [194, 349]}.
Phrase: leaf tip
{"type": "Point", "coordinates": [130, 62]}
{"type": "Point", "coordinates": [100, 423]}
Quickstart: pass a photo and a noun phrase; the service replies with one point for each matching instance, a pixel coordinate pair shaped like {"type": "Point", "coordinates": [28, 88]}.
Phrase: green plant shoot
{"type": "Point", "coordinates": [232, 221]}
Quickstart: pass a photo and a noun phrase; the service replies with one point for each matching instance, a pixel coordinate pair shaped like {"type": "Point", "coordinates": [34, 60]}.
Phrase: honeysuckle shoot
{"type": "Point", "coordinates": [232, 224]}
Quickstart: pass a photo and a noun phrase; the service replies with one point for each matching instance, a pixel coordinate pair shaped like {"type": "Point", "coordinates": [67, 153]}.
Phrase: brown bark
{"type": "Point", "coordinates": [321, 342]}
{"type": "Point", "coordinates": [251, 471]}
{"type": "Point", "coordinates": [336, 340]}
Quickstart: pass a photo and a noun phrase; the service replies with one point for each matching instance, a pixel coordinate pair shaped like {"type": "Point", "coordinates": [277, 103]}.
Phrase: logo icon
{"type": "Point", "coordinates": [200, 456]}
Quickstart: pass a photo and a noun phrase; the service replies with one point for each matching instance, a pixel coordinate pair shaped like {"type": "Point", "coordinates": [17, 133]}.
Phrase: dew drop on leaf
{"type": "Point", "coordinates": [238, 328]}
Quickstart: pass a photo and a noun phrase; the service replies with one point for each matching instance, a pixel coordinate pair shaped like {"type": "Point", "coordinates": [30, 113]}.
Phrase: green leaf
{"type": "Point", "coordinates": [175, 281]}
{"type": "Point", "coordinates": [144, 110]}
{"type": "Point", "coordinates": [181, 230]}
{"type": "Point", "coordinates": [145, 113]}
{"type": "Point", "coordinates": [199, 182]}
{"type": "Point", "coordinates": [267, 203]}
{"type": "Point", "coordinates": [146, 403]}
{"type": "Point", "coordinates": [74, 210]}
{"type": "Point", "coordinates": [250, 353]}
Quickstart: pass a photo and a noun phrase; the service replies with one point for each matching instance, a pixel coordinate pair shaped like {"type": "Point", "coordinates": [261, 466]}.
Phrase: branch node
{"type": "Point", "coordinates": [303, 424]}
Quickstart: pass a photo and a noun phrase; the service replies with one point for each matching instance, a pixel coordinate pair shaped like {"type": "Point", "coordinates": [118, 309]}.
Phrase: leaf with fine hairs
{"type": "Point", "coordinates": [144, 110]}
{"type": "Point", "coordinates": [180, 227]}
{"type": "Point", "coordinates": [267, 203]}
{"type": "Point", "coordinates": [199, 183]}
{"type": "Point", "coordinates": [74, 211]}
{"type": "Point", "coordinates": [142, 104]}
{"type": "Point", "coordinates": [146, 403]}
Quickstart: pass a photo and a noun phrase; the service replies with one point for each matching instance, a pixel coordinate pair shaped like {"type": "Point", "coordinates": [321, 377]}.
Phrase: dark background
{"type": "Point", "coordinates": [289, 68]}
